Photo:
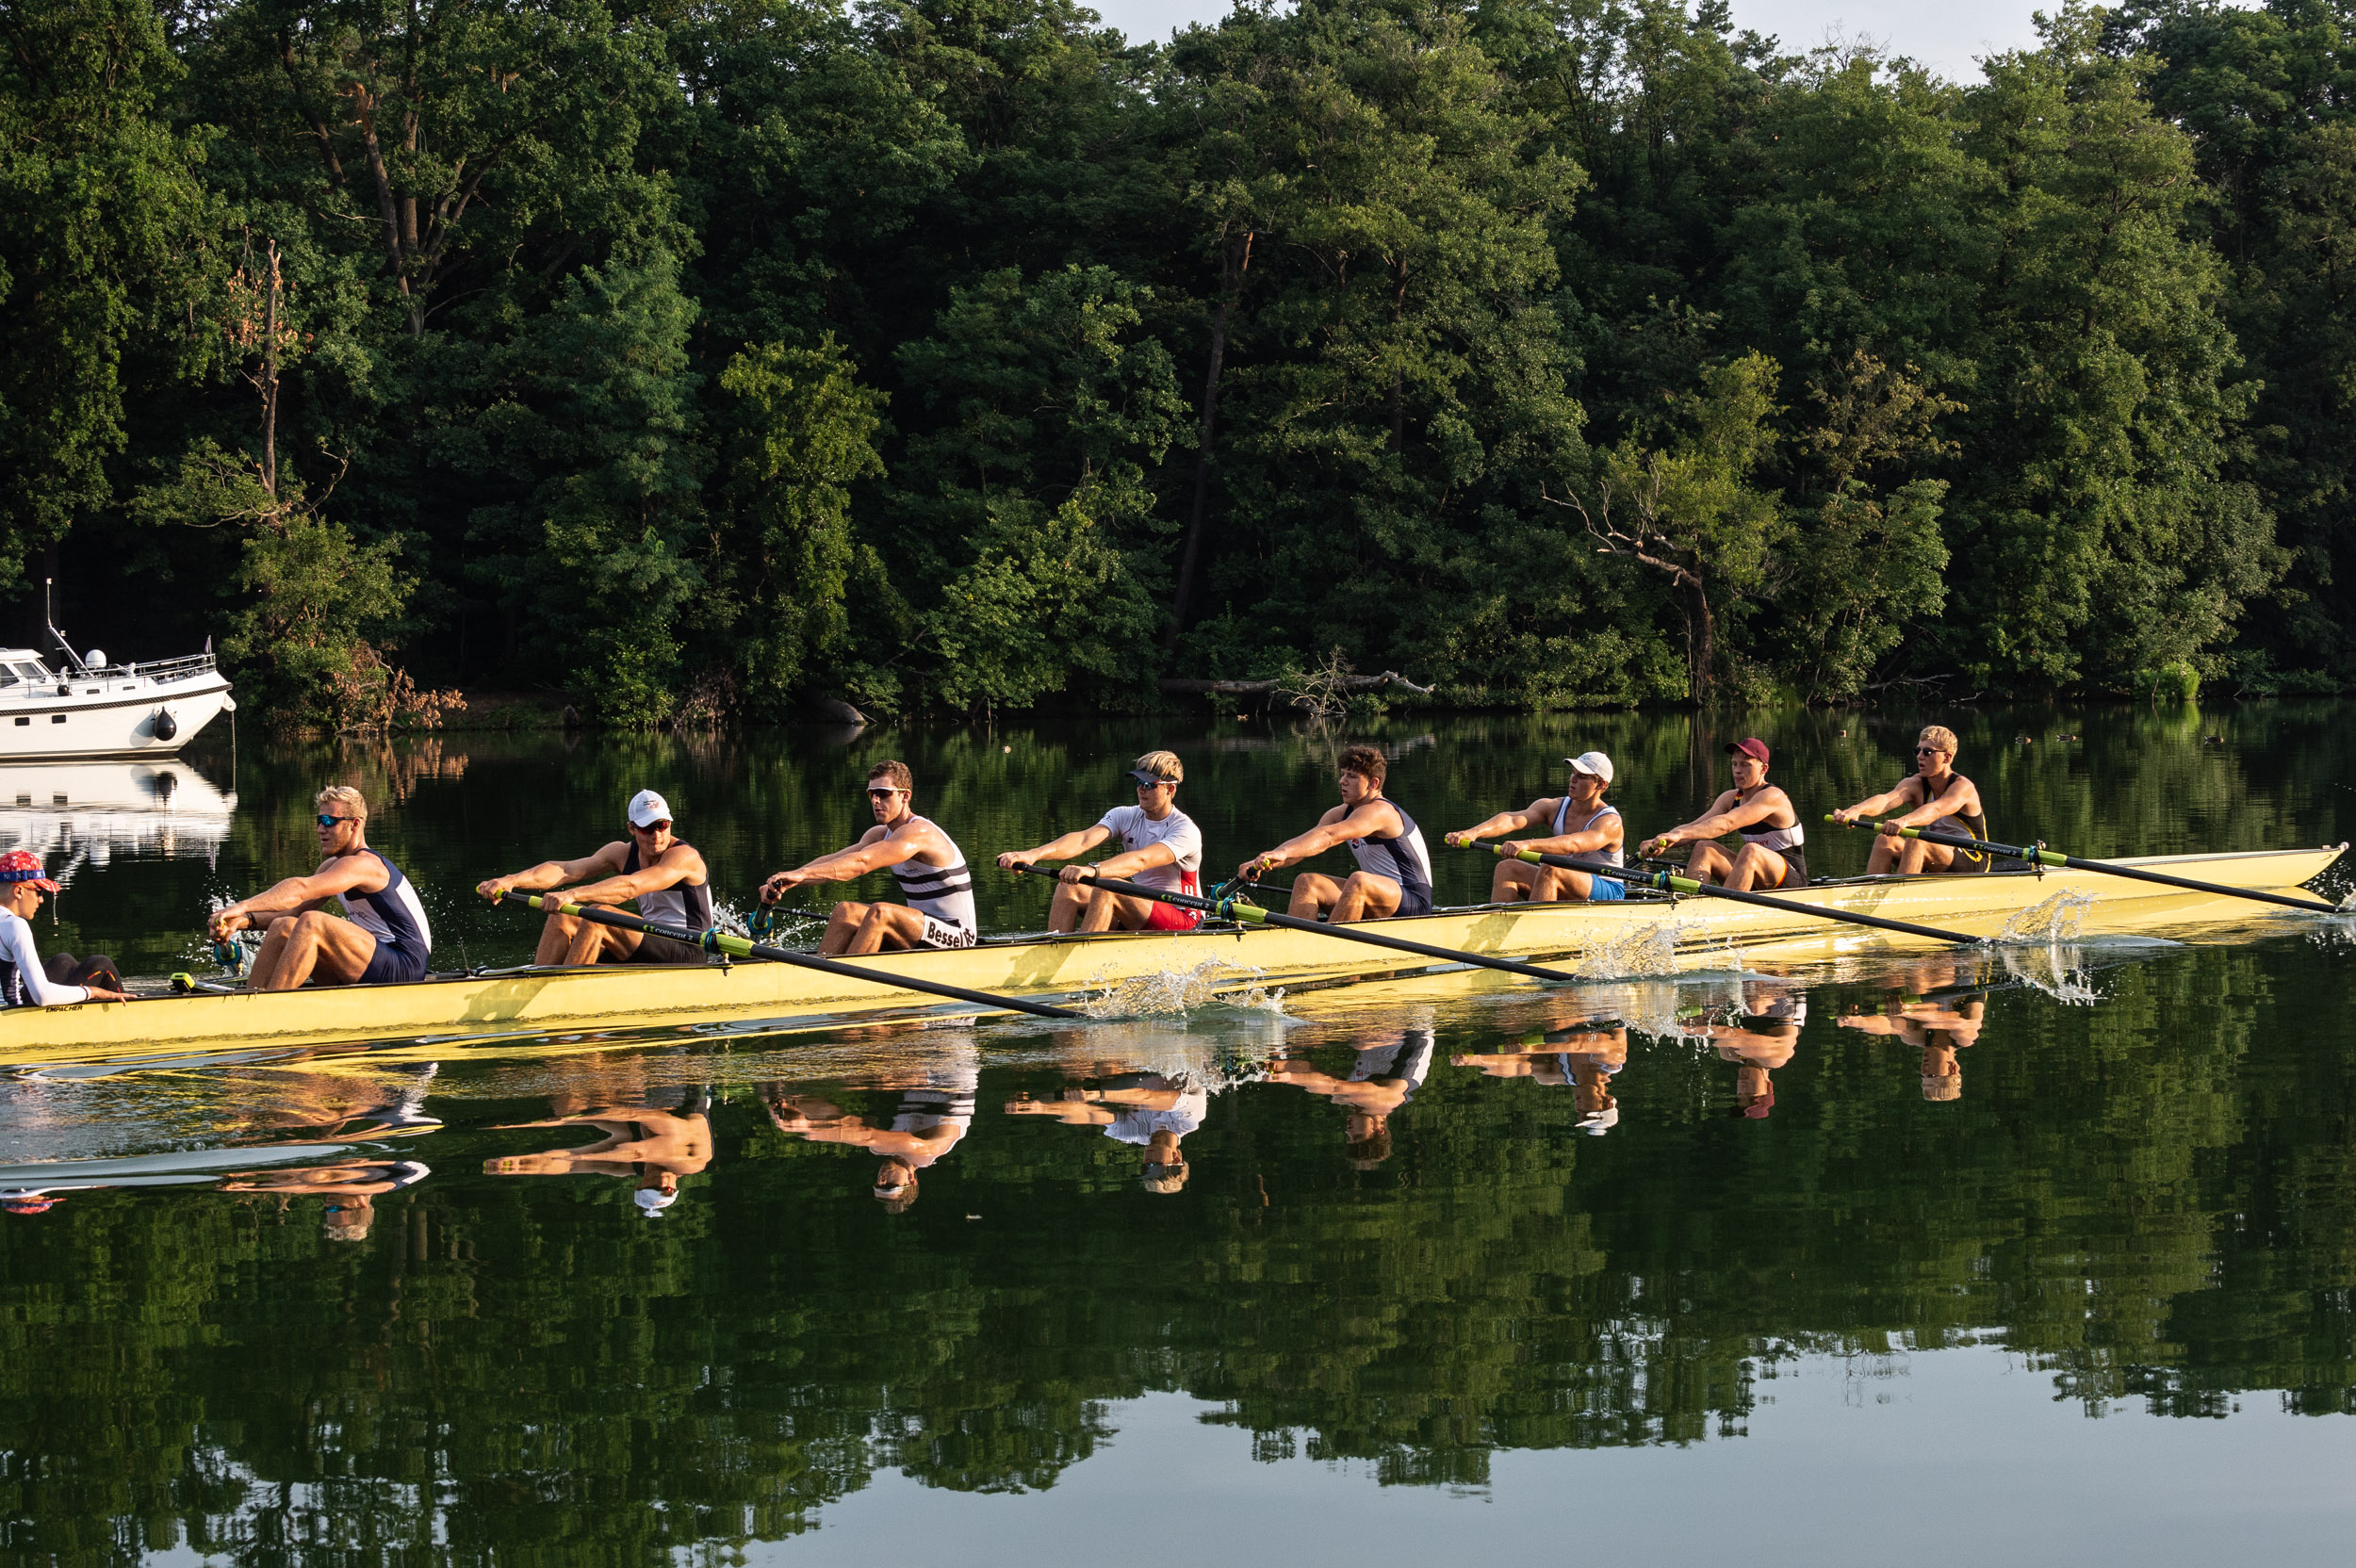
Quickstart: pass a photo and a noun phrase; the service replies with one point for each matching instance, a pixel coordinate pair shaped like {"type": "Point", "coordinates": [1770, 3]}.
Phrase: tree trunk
{"type": "Point", "coordinates": [1193, 551]}
{"type": "Point", "coordinates": [1701, 642]}
{"type": "Point", "coordinates": [269, 382]}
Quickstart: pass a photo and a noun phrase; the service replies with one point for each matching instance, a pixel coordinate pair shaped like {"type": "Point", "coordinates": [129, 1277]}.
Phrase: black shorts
{"type": "Point", "coordinates": [663, 950]}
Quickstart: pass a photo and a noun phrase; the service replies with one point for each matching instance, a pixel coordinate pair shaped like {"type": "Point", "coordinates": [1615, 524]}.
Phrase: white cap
{"type": "Point", "coordinates": [1592, 762]}
{"type": "Point", "coordinates": [654, 1200]}
{"type": "Point", "coordinates": [648, 808]}
{"type": "Point", "coordinates": [1596, 1123]}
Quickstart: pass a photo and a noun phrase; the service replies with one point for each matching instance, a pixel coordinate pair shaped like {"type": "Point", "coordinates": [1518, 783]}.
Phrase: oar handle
{"type": "Point", "coordinates": [2039, 855]}
{"type": "Point", "coordinates": [1229, 910]}
{"type": "Point", "coordinates": [1711, 890]}
{"type": "Point", "coordinates": [717, 940]}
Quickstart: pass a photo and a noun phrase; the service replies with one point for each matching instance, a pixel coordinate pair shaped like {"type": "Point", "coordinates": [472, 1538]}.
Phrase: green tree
{"type": "Point", "coordinates": [102, 224]}
{"type": "Point", "coordinates": [780, 571]}
{"type": "Point", "coordinates": [1026, 507]}
{"type": "Point", "coordinates": [1688, 508]}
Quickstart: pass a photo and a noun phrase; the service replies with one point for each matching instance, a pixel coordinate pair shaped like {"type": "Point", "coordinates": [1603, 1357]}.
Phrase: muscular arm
{"type": "Point", "coordinates": [1336, 826]}
{"type": "Point", "coordinates": [1068, 848]}
{"type": "Point", "coordinates": [1873, 806]}
{"type": "Point", "coordinates": [345, 874]}
{"type": "Point", "coordinates": [1504, 822]}
{"type": "Point", "coordinates": [1586, 841]}
{"type": "Point", "coordinates": [558, 874]}
{"type": "Point", "coordinates": [679, 863]}
{"type": "Point", "coordinates": [1698, 828]}
{"type": "Point", "coordinates": [875, 850]}
{"type": "Point", "coordinates": [1728, 814]}
{"type": "Point", "coordinates": [1958, 796]}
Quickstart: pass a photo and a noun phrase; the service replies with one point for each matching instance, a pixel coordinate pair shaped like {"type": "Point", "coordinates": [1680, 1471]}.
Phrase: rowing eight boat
{"type": "Point", "coordinates": [1691, 934]}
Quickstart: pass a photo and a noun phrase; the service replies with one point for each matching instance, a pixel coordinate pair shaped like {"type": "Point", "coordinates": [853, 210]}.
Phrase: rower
{"type": "Point", "coordinates": [1394, 874]}
{"type": "Point", "coordinates": [1771, 856]}
{"type": "Point", "coordinates": [1933, 794]}
{"type": "Point", "coordinates": [25, 980]}
{"type": "Point", "coordinates": [664, 874]}
{"type": "Point", "coordinates": [1581, 824]}
{"type": "Point", "coordinates": [931, 870]}
{"type": "Point", "coordinates": [384, 936]}
{"type": "Point", "coordinates": [1161, 847]}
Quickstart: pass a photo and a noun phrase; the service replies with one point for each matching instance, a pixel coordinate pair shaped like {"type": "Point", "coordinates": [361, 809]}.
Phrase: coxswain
{"type": "Point", "coordinates": [1394, 874]}
{"type": "Point", "coordinates": [1161, 847]}
{"type": "Point", "coordinates": [930, 868]}
{"type": "Point", "coordinates": [1932, 795]}
{"type": "Point", "coordinates": [662, 874]}
{"type": "Point", "coordinates": [383, 937]}
{"type": "Point", "coordinates": [1577, 822]}
{"type": "Point", "coordinates": [1760, 813]}
{"type": "Point", "coordinates": [25, 980]}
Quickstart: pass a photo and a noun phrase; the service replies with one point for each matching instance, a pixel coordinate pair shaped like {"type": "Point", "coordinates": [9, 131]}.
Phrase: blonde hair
{"type": "Point", "coordinates": [1938, 735]}
{"type": "Point", "coordinates": [1162, 764]}
{"type": "Point", "coordinates": [354, 803]}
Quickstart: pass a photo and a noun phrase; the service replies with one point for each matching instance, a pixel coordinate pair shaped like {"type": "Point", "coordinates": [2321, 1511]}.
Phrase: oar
{"type": "Point", "coordinates": [1665, 883]}
{"type": "Point", "coordinates": [2039, 855]}
{"type": "Point", "coordinates": [720, 942]}
{"type": "Point", "coordinates": [1250, 914]}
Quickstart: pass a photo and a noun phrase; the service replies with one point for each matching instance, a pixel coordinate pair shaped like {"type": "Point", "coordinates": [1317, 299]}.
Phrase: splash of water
{"type": "Point", "coordinates": [1175, 994]}
{"type": "Point", "coordinates": [792, 928]}
{"type": "Point", "coordinates": [2061, 972]}
{"type": "Point", "coordinates": [246, 943]}
{"type": "Point", "coordinates": [2047, 923]}
{"type": "Point", "coordinates": [1647, 950]}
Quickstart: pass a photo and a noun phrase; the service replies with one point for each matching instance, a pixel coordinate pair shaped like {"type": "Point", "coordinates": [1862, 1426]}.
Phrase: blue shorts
{"type": "Point", "coordinates": [1602, 890]}
{"type": "Point", "coordinates": [392, 962]}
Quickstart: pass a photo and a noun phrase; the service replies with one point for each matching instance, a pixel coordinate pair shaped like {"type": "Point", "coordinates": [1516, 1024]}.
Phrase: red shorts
{"type": "Point", "coordinates": [1169, 917]}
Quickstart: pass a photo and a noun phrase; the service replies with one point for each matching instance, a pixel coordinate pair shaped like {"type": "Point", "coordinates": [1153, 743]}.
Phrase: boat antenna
{"type": "Point", "coordinates": [49, 619]}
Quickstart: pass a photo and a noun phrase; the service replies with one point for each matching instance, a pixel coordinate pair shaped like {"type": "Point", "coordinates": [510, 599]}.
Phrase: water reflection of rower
{"type": "Point", "coordinates": [1759, 1039]}
{"type": "Point", "coordinates": [1387, 1073]}
{"type": "Point", "coordinates": [934, 1115]}
{"type": "Point", "coordinates": [655, 1147]}
{"type": "Point", "coordinates": [350, 1187]}
{"type": "Point", "coordinates": [1938, 1007]}
{"type": "Point", "coordinates": [1143, 1109]}
{"type": "Point", "coordinates": [1584, 1054]}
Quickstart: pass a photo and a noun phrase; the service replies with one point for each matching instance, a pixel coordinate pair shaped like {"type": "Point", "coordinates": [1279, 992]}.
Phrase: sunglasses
{"type": "Point", "coordinates": [326, 821]}
{"type": "Point", "coordinates": [662, 826]}
{"type": "Point", "coordinates": [1929, 751]}
{"type": "Point", "coordinates": [884, 792]}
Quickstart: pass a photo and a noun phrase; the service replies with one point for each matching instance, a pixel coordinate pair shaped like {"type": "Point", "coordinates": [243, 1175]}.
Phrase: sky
{"type": "Point", "coordinates": [1947, 38]}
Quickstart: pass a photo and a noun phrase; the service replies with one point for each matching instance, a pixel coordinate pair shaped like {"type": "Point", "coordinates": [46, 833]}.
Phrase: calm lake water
{"type": "Point", "coordinates": [2042, 1253]}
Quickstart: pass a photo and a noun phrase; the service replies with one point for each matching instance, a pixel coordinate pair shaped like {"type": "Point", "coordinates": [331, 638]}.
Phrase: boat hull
{"type": "Point", "coordinates": [109, 718]}
{"type": "Point", "coordinates": [1594, 941]}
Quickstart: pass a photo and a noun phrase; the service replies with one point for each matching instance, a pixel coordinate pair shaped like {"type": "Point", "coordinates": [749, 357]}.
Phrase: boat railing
{"type": "Point", "coordinates": [164, 670]}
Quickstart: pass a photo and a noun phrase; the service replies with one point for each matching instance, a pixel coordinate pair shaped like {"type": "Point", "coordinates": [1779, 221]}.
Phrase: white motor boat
{"type": "Point", "coordinates": [88, 707]}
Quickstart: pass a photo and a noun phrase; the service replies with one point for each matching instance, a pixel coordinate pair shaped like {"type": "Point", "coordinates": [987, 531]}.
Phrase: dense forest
{"type": "Point", "coordinates": [697, 360]}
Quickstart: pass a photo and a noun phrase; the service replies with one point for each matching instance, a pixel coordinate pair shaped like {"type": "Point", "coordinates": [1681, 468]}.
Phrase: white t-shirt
{"type": "Point", "coordinates": [1138, 1124]}
{"type": "Point", "coordinates": [16, 947]}
{"type": "Point", "coordinates": [1135, 829]}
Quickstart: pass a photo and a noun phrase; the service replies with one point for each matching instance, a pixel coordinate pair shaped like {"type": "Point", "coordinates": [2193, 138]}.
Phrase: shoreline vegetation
{"type": "Point", "coordinates": [965, 358]}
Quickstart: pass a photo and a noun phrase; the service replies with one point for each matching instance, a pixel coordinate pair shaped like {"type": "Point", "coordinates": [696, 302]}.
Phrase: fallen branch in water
{"type": "Point", "coordinates": [1177, 686]}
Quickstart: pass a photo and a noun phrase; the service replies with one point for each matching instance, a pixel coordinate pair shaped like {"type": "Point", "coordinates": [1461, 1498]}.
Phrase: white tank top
{"type": "Point", "coordinates": [945, 892]}
{"type": "Point", "coordinates": [1563, 817]}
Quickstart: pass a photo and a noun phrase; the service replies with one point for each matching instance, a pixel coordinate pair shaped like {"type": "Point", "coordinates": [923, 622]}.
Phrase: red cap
{"type": "Point", "coordinates": [27, 1202]}
{"type": "Point", "coordinates": [1751, 747]}
{"type": "Point", "coordinates": [23, 865]}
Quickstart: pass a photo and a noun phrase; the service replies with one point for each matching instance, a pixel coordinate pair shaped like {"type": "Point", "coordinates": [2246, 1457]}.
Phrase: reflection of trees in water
{"type": "Point", "coordinates": [2149, 1198]}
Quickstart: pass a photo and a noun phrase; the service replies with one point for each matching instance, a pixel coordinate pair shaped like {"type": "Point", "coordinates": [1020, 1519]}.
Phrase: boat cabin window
{"type": "Point", "coordinates": [32, 672]}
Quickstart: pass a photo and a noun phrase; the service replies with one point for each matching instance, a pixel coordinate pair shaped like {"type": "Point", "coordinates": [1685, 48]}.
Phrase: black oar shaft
{"type": "Point", "coordinates": [1254, 915]}
{"type": "Point", "coordinates": [2037, 855]}
{"type": "Point", "coordinates": [1666, 883]}
{"type": "Point", "coordinates": [718, 942]}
